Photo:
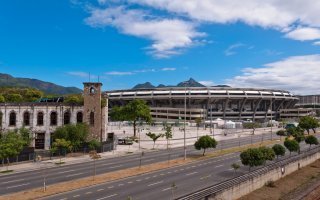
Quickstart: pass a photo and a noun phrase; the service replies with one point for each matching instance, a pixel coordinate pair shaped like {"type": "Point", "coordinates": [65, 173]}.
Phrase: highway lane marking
{"type": "Point", "coordinates": [14, 181]}
{"type": "Point", "coordinates": [64, 199]}
{"type": "Point", "coordinates": [138, 180]}
{"type": "Point", "coordinates": [155, 183]}
{"type": "Point", "coordinates": [181, 169]}
{"type": "Point", "coordinates": [117, 166]}
{"type": "Point", "coordinates": [191, 173]}
{"type": "Point", "coordinates": [166, 189]}
{"type": "Point", "coordinates": [76, 196]}
{"type": "Point", "coordinates": [88, 192]}
{"type": "Point", "coordinates": [161, 174]}
{"type": "Point", "coordinates": [155, 176]}
{"type": "Point", "coordinates": [110, 187]}
{"type": "Point", "coordinates": [218, 166]}
{"type": "Point", "coordinates": [18, 185]}
{"type": "Point", "coordinates": [66, 171]}
{"type": "Point", "coordinates": [146, 178]}
{"type": "Point", "coordinates": [108, 196]}
{"type": "Point", "coordinates": [230, 169]}
{"type": "Point", "coordinates": [129, 182]}
{"type": "Point", "coordinates": [168, 172]}
{"type": "Point", "coordinates": [74, 174]}
{"type": "Point", "coordinates": [121, 184]}
{"type": "Point", "coordinates": [100, 190]}
{"type": "Point", "coordinates": [205, 177]}
{"type": "Point", "coordinates": [193, 166]}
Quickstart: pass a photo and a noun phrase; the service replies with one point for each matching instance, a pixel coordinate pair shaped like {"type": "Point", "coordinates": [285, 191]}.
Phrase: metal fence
{"type": "Point", "coordinates": [214, 189]}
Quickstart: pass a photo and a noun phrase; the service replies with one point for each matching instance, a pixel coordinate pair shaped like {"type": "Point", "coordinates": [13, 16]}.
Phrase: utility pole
{"type": "Point", "coordinates": [184, 124]}
{"type": "Point", "coordinates": [271, 120]}
{"type": "Point", "coordinates": [211, 120]}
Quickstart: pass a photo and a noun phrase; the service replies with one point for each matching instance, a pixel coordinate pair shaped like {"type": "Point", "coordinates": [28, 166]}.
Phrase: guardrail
{"type": "Point", "coordinates": [211, 190]}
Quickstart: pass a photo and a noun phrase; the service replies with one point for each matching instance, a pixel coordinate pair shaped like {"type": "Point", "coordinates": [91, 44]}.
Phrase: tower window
{"type": "Point", "coordinates": [26, 118]}
{"type": "Point", "coordinates": [40, 119]}
{"type": "Point", "coordinates": [53, 119]}
{"type": "Point", "coordinates": [79, 117]}
{"type": "Point", "coordinates": [92, 119]}
{"type": "Point", "coordinates": [66, 118]}
{"type": "Point", "coordinates": [12, 119]}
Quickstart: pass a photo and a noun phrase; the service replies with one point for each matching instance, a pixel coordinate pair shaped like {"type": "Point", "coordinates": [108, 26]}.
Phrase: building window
{"type": "Point", "coordinates": [91, 118]}
{"type": "Point", "coordinates": [53, 119]}
{"type": "Point", "coordinates": [12, 119]}
{"type": "Point", "coordinates": [66, 118]}
{"type": "Point", "coordinates": [26, 118]}
{"type": "Point", "coordinates": [79, 117]}
{"type": "Point", "coordinates": [40, 119]}
{"type": "Point", "coordinates": [0, 119]}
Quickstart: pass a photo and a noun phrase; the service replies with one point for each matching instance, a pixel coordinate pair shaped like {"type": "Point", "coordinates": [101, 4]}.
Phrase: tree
{"type": "Point", "coordinates": [136, 110]}
{"type": "Point", "coordinates": [11, 144]}
{"type": "Point", "coordinates": [268, 153]}
{"type": "Point", "coordinates": [94, 144]}
{"type": "Point", "coordinates": [291, 145]}
{"type": "Point", "coordinates": [77, 134]}
{"type": "Point", "coordinates": [2, 99]}
{"type": "Point", "coordinates": [61, 144]}
{"type": "Point", "coordinates": [154, 137]}
{"type": "Point", "coordinates": [281, 133]}
{"type": "Point", "coordinates": [74, 99]}
{"type": "Point", "coordinates": [26, 135]}
{"type": "Point", "coordinates": [198, 121]}
{"type": "Point", "coordinates": [235, 167]}
{"type": "Point", "coordinates": [311, 140]}
{"type": "Point", "coordinates": [252, 157]}
{"type": "Point", "coordinates": [251, 125]}
{"type": "Point", "coordinates": [308, 122]}
{"type": "Point", "coordinates": [168, 134]}
{"type": "Point", "coordinates": [205, 142]}
{"type": "Point", "coordinates": [14, 98]}
{"type": "Point", "coordinates": [279, 150]}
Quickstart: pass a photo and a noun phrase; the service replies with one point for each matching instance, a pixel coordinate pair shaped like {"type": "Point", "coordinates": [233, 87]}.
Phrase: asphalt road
{"type": "Point", "coordinates": [158, 185]}
{"type": "Point", "coordinates": [32, 179]}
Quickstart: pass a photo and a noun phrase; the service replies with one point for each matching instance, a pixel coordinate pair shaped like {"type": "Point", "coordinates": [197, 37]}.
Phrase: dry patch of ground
{"type": "Point", "coordinates": [102, 178]}
{"type": "Point", "coordinates": [290, 187]}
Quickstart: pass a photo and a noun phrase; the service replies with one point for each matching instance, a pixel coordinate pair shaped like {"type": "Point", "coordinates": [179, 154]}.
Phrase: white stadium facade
{"type": "Point", "coordinates": [168, 103]}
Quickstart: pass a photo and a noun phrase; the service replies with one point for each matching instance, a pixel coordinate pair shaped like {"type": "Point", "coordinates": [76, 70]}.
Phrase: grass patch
{"type": "Point", "coordinates": [6, 171]}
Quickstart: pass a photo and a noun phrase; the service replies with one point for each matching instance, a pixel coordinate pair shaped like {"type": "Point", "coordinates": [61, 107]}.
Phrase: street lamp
{"type": "Point", "coordinates": [270, 111]}
{"type": "Point", "coordinates": [39, 158]}
{"type": "Point", "coordinates": [184, 124]}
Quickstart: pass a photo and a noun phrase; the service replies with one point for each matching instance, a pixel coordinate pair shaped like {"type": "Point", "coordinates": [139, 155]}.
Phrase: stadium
{"type": "Point", "coordinates": [170, 103]}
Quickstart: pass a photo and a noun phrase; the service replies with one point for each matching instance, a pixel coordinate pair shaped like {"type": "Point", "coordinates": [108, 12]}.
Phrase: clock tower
{"type": "Point", "coordinates": [93, 113]}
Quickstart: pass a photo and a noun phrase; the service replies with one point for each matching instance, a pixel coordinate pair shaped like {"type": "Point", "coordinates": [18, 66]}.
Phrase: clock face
{"type": "Point", "coordinates": [92, 90]}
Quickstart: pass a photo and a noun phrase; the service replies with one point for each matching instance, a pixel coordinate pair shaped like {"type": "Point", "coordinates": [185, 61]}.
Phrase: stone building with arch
{"type": "Point", "coordinates": [42, 118]}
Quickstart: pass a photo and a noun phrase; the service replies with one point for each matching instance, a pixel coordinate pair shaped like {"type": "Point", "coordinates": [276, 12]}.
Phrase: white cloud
{"type": "Point", "coordinates": [207, 83]}
{"type": "Point", "coordinates": [82, 74]}
{"type": "Point", "coordinates": [168, 69]}
{"type": "Point", "coordinates": [231, 49]}
{"type": "Point", "coordinates": [117, 73]}
{"type": "Point", "coordinates": [298, 74]}
{"type": "Point", "coordinates": [169, 36]}
{"type": "Point", "coordinates": [317, 43]}
{"type": "Point", "coordinates": [304, 33]}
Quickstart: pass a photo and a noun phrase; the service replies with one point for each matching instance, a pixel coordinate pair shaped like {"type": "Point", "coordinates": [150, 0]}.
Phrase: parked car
{"type": "Point", "coordinates": [125, 141]}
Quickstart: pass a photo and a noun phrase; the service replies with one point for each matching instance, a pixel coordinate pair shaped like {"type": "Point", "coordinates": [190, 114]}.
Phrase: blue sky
{"type": "Point", "coordinates": [244, 44]}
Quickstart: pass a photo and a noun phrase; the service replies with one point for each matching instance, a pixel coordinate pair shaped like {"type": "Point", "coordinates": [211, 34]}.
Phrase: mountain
{"type": "Point", "coordinates": [190, 83]}
{"type": "Point", "coordinates": [7, 80]}
{"type": "Point", "coordinates": [146, 85]}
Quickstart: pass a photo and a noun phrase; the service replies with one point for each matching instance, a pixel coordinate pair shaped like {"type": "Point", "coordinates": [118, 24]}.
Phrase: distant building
{"type": "Point", "coordinates": [167, 103]}
{"type": "Point", "coordinates": [42, 118]}
{"type": "Point", "coordinates": [309, 101]}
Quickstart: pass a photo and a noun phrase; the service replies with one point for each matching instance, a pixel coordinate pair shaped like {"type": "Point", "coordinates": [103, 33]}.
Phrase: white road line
{"type": "Point", "coordinates": [76, 195]}
{"type": "Point", "coordinates": [110, 187]}
{"type": "Point", "coordinates": [191, 173]}
{"type": "Point", "coordinates": [18, 185]}
{"type": "Point", "coordinates": [155, 183]}
{"type": "Point", "coordinates": [13, 181]}
{"type": "Point", "coordinates": [193, 166]}
{"type": "Point", "coordinates": [161, 174]}
{"type": "Point", "coordinates": [168, 172]}
{"type": "Point", "coordinates": [100, 190]}
{"type": "Point", "coordinates": [115, 166]}
{"type": "Point", "coordinates": [66, 171]}
{"type": "Point", "coordinates": [63, 199]}
{"type": "Point", "coordinates": [166, 189]}
{"type": "Point", "coordinates": [138, 180]}
{"type": "Point", "coordinates": [230, 169]}
{"type": "Point", "coordinates": [121, 184]}
{"type": "Point", "coordinates": [88, 192]}
{"type": "Point", "coordinates": [108, 196]}
{"type": "Point", "coordinates": [74, 174]}
{"type": "Point", "coordinates": [107, 164]}
{"type": "Point", "coordinates": [155, 176]}
{"type": "Point", "coordinates": [218, 166]}
{"type": "Point", "coordinates": [146, 178]}
{"type": "Point", "coordinates": [129, 182]}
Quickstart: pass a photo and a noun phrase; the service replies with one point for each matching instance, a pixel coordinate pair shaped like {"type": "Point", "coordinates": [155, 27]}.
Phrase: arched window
{"type": "Point", "coordinates": [79, 117]}
{"type": "Point", "coordinates": [91, 118]}
{"type": "Point", "coordinates": [66, 118]}
{"type": "Point", "coordinates": [12, 119]}
{"type": "Point", "coordinates": [40, 119]}
{"type": "Point", "coordinates": [0, 119]}
{"type": "Point", "coordinates": [53, 119]}
{"type": "Point", "coordinates": [26, 118]}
